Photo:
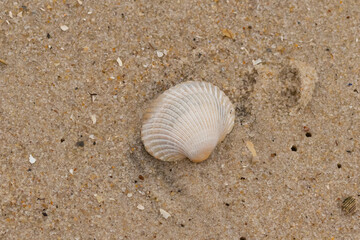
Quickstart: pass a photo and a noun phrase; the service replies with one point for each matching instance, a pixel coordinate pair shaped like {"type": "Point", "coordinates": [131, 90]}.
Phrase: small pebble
{"type": "Point", "coordinates": [140, 207]}
{"type": "Point", "coordinates": [64, 28]}
{"type": "Point", "coordinates": [32, 160]}
{"type": "Point", "coordinates": [129, 195]}
{"type": "Point", "coordinates": [71, 171]}
{"type": "Point", "coordinates": [80, 144]}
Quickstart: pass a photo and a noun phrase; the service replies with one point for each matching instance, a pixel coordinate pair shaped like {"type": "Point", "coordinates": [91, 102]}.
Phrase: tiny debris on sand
{"type": "Point", "coordinates": [159, 54]}
{"type": "Point", "coordinates": [119, 62]}
{"type": "Point", "coordinates": [64, 28]}
{"type": "Point", "coordinates": [164, 213]}
{"type": "Point", "coordinates": [251, 148]}
{"type": "Point", "coordinates": [256, 62]}
{"type": "Point", "coordinates": [140, 207]}
{"type": "Point", "coordinates": [99, 198]}
{"type": "Point", "coordinates": [349, 205]}
{"type": "Point", "coordinates": [32, 160]}
{"type": "Point", "coordinates": [93, 118]}
{"type": "Point", "coordinates": [227, 33]}
{"type": "Point", "coordinates": [3, 61]}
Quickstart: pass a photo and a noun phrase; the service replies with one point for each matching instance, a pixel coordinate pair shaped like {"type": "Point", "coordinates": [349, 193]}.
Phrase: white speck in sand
{"type": "Point", "coordinates": [32, 160]}
{"type": "Point", "coordinates": [164, 213]}
{"type": "Point", "coordinates": [93, 118]}
{"type": "Point", "coordinates": [92, 136]}
{"type": "Point", "coordinates": [80, 2]}
{"type": "Point", "coordinates": [71, 171]}
{"type": "Point", "coordinates": [99, 198]}
{"type": "Point", "coordinates": [119, 62]}
{"type": "Point", "coordinates": [64, 28]}
{"type": "Point", "coordinates": [10, 14]}
{"type": "Point", "coordinates": [129, 195]}
{"type": "Point", "coordinates": [256, 62]}
{"type": "Point", "coordinates": [140, 207]}
{"type": "Point", "coordinates": [159, 54]}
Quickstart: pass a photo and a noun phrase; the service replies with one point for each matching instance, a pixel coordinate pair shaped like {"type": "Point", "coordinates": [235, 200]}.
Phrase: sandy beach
{"type": "Point", "coordinates": [76, 77]}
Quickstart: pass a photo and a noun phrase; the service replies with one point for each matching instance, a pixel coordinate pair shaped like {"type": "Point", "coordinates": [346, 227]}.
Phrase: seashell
{"type": "Point", "coordinates": [349, 205]}
{"type": "Point", "coordinates": [187, 121]}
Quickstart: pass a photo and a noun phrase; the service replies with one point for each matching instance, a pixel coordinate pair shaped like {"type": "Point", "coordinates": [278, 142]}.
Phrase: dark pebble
{"type": "Point", "coordinates": [80, 144]}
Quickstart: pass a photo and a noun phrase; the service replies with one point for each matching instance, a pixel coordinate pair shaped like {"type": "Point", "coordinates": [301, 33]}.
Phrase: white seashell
{"type": "Point", "coordinates": [188, 120]}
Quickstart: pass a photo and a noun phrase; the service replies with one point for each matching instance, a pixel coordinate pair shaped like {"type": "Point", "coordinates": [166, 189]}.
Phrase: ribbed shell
{"type": "Point", "coordinates": [188, 120]}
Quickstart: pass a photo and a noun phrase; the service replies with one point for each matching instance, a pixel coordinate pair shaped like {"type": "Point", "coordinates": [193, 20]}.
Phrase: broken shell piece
{"type": "Point", "coordinates": [187, 120]}
{"type": "Point", "coordinates": [64, 28]}
{"type": "Point", "coordinates": [349, 205]}
{"type": "Point", "coordinates": [164, 213]}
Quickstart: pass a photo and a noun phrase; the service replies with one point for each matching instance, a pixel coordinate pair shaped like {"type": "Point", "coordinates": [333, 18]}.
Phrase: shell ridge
{"type": "Point", "coordinates": [166, 123]}
{"type": "Point", "coordinates": [185, 94]}
{"type": "Point", "coordinates": [166, 111]}
{"type": "Point", "coordinates": [218, 107]}
{"type": "Point", "coordinates": [162, 149]}
{"type": "Point", "coordinates": [214, 106]}
{"type": "Point", "coordinates": [163, 133]}
{"type": "Point", "coordinates": [196, 107]}
{"type": "Point", "coordinates": [154, 134]}
{"type": "Point", "coordinates": [181, 102]}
